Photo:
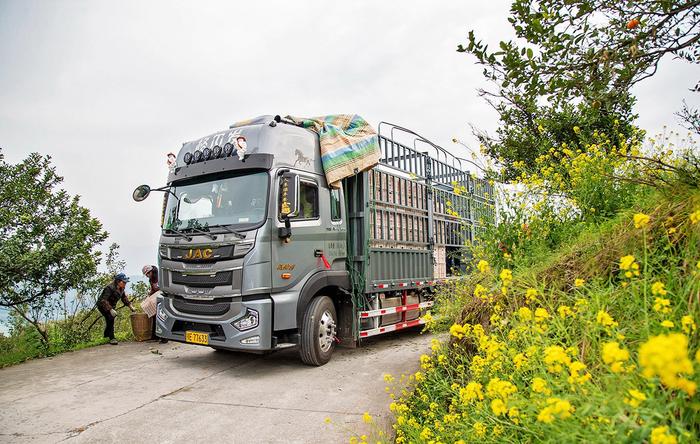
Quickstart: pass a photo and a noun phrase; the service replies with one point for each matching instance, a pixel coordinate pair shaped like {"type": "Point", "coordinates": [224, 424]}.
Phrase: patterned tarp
{"type": "Point", "coordinates": [348, 144]}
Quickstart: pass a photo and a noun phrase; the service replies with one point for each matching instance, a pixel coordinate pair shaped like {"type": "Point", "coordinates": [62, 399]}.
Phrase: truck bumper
{"type": "Point", "coordinates": [222, 334]}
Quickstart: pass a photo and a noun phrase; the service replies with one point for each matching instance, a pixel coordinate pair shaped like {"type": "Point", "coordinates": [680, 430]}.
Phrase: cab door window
{"type": "Point", "coordinates": [308, 201]}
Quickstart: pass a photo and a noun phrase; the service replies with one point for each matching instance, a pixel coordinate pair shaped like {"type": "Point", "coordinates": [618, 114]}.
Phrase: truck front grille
{"type": "Point", "coordinates": [202, 280]}
{"type": "Point", "coordinates": [204, 308]}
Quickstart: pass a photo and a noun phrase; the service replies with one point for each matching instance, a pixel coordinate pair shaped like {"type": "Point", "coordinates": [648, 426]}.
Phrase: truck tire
{"type": "Point", "coordinates": [318, 331]}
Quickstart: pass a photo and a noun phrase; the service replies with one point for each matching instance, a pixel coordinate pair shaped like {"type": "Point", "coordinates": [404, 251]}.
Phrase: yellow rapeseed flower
{"type": "Point", "coordinates": [506, 276]}
{"type": "Point", "coordinates": [556, 408]}
{"type": "Point", "coordinates": [519, 360]}
{"type": "Point", "coordinates": [626, 262]}
{"type": "Point", "coordinates": [479, 428]}
{"type": "Point", "coordinates": [367, 418]}
{"type": "Point", "coordinates": [525, 314]}
{"type": "Point", "coordinates": [575, 376]}
{"type": "Point", "coordinates": [604, 319]}
{"type": "Point", "coordinates": [666, 356]}
{"type": "Point", "coordinates": [695, 217]}
{"type": "Point", "coordinates": [483, 266]}
{"type": "Point", "coordinates": [657, 288]}
{"type": "Point", "coordinates": [458, 331]}
{"type": "Point", "coordinates": [668, 324]}
{"type": "Point", "coordinates": [636, 398]}
{"type": "Point", "coordinates": [640, 220]}
{"type": "Point", "coordinates": [498, 407]}
{"type": "Point", "coordinates": [541, 315]}
{"type": "Point", "coordinates": [564, 311]}
{"type": "Point", "coordinates": [662, 305]}
{"type": "Point", "coordinates": [660, 435]}
{"type": "Point", "coordinates": [688, 324]}
{"type": "Point", "coordinates": [615, 356]}
{"type": "Point", "coordinates": [496, 388]}
{"type": "Point", "coordinates": [578, 282]}
{"type": "Point", "coordinates": [556, 358]}
{"type": "Point", "coordinates": [531, 294]}
{"type": "Point", "coordinates": [480, 291]}
{"type": "Point", "coordinates": [473, 391]}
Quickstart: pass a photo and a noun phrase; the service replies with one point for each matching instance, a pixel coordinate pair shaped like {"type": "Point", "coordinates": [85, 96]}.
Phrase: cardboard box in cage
{"type": "Point", "coordinates": [440, 264]}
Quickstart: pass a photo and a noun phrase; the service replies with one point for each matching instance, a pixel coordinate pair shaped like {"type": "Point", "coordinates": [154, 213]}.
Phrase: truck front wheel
{"type": "Point", "coordinates": [318, 331]}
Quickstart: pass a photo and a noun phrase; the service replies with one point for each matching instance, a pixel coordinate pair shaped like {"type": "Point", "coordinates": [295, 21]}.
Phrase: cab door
{"type": "Point", "coordinates": [299, 256]}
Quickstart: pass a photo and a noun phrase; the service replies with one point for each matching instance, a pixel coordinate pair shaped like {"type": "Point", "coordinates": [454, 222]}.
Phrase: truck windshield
{"type": "Point", "coordinates": [237, 200]}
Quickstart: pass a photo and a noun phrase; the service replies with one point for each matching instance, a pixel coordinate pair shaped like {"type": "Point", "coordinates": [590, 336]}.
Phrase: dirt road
{"type": "Point", "coordinates": [148, 392]}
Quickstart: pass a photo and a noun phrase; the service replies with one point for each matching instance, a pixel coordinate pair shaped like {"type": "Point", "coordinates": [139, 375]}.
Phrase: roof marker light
{"type": "Point", "coordinates": [187, 158]}
{"type": "Point", "coordinates": [197, 156]}
{"type": "Point", "coordinates": [216, 153]}
{"type": "Point", "coordinates": [228, 149]}
{"type": "Point", "coordinates": [206, 154]}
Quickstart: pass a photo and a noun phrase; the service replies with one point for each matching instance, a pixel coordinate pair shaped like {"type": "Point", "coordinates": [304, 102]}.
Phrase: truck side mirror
{"type": "Point", "coordinates": [288, 202]}
{"type": "Point", "coordinates": [141, 193]}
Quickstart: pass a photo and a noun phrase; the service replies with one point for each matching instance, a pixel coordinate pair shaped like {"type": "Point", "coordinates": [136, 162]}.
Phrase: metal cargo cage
{"type": "Point", "coordinates": [411, 216]}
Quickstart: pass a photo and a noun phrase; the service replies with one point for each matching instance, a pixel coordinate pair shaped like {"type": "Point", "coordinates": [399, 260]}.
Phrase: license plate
{"type": "Point", "coordinates": [196, 337]}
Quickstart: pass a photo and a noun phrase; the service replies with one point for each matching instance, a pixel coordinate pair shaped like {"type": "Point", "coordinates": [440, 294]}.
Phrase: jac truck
{"type": "Point", "coordinates": [257, 253]}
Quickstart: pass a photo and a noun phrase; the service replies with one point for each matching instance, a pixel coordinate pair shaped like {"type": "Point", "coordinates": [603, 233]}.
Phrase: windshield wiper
{"type": "Point", "coordinates": [238, 234]}
{"type": "Point", "coordinates": [207, 234]}
{"type": "Point", "coordinates": [179, 233]}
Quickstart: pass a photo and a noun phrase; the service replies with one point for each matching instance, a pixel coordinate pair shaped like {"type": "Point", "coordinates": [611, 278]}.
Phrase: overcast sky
{"type": "Point", "coordinates": [108, 88]}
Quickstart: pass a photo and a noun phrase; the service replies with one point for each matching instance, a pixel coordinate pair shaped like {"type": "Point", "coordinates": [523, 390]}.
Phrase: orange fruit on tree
{"type": "Point", "coordinates": [632, 24]}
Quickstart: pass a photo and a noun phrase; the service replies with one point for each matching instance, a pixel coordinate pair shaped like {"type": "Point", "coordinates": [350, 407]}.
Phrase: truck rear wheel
{"type": "Point", "coordinates": [318, 331]}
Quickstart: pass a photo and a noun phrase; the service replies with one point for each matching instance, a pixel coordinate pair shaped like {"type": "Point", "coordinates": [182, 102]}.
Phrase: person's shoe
{"type": "Point", "coordinates": [113, 342]}
{"type": "Point", "coordinates": [163, 341]}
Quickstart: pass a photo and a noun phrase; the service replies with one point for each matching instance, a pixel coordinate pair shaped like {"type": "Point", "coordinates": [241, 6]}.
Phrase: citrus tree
{"type": "Point", "coordinates": [47, 239]}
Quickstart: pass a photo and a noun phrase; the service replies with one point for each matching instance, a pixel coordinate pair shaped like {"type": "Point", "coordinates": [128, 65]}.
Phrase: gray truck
{"type": "Point", "coordinates": [257, 253]}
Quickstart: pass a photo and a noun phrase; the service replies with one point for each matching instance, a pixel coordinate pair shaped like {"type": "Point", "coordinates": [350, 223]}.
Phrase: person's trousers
{"type": "Point", "coordinates": [109, 327]}
{"type": "Point", "coordinates": [153, 328]}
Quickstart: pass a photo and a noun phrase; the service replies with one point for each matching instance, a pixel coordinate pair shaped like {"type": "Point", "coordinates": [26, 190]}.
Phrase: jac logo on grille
{"type": "Point", "coordinates": [199, 253]}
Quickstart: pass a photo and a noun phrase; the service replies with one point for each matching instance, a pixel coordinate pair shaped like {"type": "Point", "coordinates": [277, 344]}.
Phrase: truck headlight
{"type": "Point", "coordinates": [247, 321]}
{"type": "Point", "coordinates": [161, 313]}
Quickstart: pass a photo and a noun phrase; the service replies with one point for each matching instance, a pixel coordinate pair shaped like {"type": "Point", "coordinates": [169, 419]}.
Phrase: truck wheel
{"type": "Point", "coordinates": [318, 332]}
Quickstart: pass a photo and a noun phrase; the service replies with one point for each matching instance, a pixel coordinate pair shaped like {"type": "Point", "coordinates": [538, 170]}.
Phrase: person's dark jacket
{"type": "Point", "coordinates": [110, 296]}
{"type": "Point", "coordinates": [153, 280]}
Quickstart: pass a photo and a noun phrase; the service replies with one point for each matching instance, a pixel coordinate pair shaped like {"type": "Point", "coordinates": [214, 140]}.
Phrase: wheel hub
{"type": "Point", "coordinates": [326, 331]}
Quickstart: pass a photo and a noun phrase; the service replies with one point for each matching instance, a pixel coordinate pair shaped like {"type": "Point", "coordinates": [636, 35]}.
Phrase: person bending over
{"type": "Point", "coordinates": [107, 304]}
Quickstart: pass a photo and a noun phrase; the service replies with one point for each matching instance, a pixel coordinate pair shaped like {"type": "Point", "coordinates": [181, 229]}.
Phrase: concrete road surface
{"type": "Point", "coordinates": [150, 392]}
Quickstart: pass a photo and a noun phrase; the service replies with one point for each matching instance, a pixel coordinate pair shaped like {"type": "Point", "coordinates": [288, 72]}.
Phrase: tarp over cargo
{"type": "Point", "coordinates": [349, 144]}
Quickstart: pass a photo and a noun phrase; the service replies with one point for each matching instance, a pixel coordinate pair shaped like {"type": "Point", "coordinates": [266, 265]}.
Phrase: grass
{"type": "Point", "coordinates": [25, 344]}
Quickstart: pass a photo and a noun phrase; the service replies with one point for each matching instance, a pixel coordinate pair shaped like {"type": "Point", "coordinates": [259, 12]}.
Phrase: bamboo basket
{"type": "Point", "coordinates": [141, 326]}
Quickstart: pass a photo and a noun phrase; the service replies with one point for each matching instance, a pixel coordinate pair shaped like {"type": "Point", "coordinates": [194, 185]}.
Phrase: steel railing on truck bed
{"type": "Point", "coordinates": [409, 218]}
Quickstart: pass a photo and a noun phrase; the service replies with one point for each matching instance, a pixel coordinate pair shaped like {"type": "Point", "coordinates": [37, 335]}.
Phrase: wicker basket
{"type": "Point", "coordinates": [141, 326]}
